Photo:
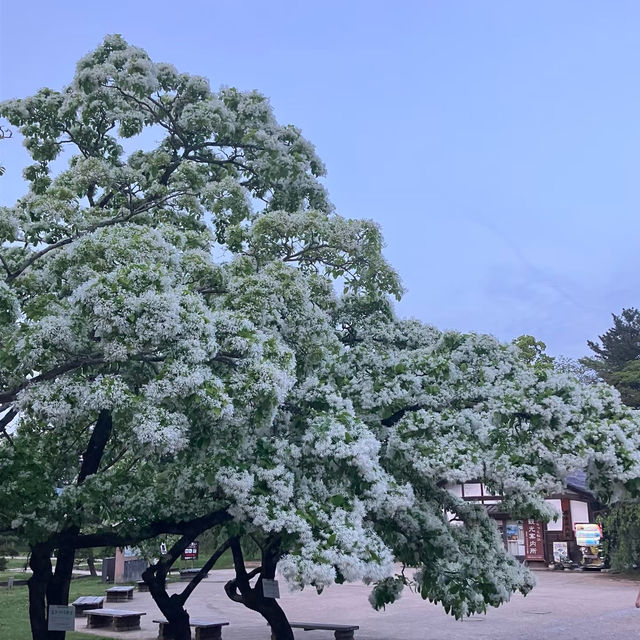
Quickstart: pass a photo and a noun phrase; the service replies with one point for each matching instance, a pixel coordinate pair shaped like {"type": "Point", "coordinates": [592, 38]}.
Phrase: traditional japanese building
{"type": "Point", "coordinates": [536, 541]}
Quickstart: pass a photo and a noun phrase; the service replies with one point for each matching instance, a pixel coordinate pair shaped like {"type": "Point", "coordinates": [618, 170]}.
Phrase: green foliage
{"type": "Point", "coordinates": [621, 529]}
{"type": "Point", "coordinates": [532, 351]}
{"type": "Point", "coordinates": [173, 320]}
{"type": "Point", "coordinates": [9, 545]}
{"type": "Point", "coordinates": [617, 356]}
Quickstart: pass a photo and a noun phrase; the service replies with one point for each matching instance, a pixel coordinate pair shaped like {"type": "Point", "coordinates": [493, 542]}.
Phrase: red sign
{"type": "Point", "coordinates": [191, 552]}
{"type": "Point", "coordinates": [533, 540]}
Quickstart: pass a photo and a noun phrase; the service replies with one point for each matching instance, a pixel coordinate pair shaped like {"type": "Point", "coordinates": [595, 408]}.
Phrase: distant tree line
{"type": "Point", "coordinates": [617, 362]}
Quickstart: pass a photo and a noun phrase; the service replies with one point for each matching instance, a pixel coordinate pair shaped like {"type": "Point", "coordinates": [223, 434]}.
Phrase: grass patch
{"type": "Point", "coordinates": [17, 563]}
{"type": "Point", "coordinates": [14, 603]}
{"type": "Point", "coordinates": [225, 561]}
{"type": "Point", "coordinates": [14, 610]}
{"type": "Point", "coordinates": [16, 575]}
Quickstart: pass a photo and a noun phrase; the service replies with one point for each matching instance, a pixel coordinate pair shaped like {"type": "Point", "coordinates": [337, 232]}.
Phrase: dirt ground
{"type": "Point", "coordinates": [567, 605]}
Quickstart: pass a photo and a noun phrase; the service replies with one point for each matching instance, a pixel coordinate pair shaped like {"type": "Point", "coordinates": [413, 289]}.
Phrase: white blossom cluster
{"type": "Point", "coordinates": [190, 293]}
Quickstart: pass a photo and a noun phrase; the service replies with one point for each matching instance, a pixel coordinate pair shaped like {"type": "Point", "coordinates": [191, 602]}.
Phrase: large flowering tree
{"type": "Point", "coordinates": [153, 304]}
{"type": "Point", "coordinates": [176, 356]}
{"type": "Point", "coordinates": [451, 408]}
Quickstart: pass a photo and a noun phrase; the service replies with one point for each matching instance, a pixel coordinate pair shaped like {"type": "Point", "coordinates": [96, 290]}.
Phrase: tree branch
{"type": "Point", "coordinates": [5, 264]}
{"type": "Point", "coordinates": [398, 415]}
{"type": "Point", "coordinates": [4, 421]}
{"type": "Point", "coordinates": [145, 206]}
{"type": "Point", "coordinates": [8, 396]}
{"type": "Point", "coordinates": [113, 538]}
{"type": "Point", "coordinates": [203, 571]}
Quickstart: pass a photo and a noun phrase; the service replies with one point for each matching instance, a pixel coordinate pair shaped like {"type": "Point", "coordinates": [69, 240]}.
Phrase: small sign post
{"type": "Point", "coordinates": [191, 552]}
{"type": "Point", "coordinates": [61, 618]}
{"type": "Point", "coordinates": [10, 582]}
{"type": "Point", "coordinates": [270, 588]}
{"type": "Point", "coordinates": [588, 534]}
{"type": "Point", "coordinates": [560, 551]}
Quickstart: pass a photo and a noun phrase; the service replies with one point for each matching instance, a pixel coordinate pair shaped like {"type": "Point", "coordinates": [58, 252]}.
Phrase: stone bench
{"type": "Point", "coordinates": [188, 574]}
{"type": "Point", "coordinates": [142, 586]}
{"type": "Point", "coordinates": [119, 594]}
{"type": "Point", "coordinates": [205, 629]}
{"type": "Point", "coordinates": [342, 631]}
{"type": "Point", "coordinates": [87, 602]}
{"type": "Point", "coordinates": [116, 619]}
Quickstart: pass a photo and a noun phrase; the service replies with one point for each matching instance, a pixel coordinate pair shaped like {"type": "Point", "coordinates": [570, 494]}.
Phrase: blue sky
{"type": "Point", "coordinates": [496, 143]}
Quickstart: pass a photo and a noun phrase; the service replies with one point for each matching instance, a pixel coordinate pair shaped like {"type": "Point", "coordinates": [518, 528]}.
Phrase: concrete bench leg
{"type": "Point", "coordinates": [126, 624]}
{"type": "Point", "coordinates": [117, 597]}
{"type": "Point", "coordinates": [344, 635]}
{"type": "Point", "coordinates": [212, 633]}
{"type": "Point", "coordinates": [95, 621]}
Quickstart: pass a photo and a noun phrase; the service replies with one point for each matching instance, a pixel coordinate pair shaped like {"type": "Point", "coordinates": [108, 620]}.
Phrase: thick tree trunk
{"type": "Point", "coordinates": [171, 606]}
{"type": "Point", "coordinates": [47, 587]}
{"type": "Point", "coordinates": [270, 610]}
{"type": "Point", "coordinates": [54, 589]}
{"type": "Point", "coordinates": [40, 564]}
{"type": "Point", "coordinates": [91, 564]}
{"type": "Point", "coordinates": [240, 590]}
{"type": "Point", "coordinates": [58, 588]}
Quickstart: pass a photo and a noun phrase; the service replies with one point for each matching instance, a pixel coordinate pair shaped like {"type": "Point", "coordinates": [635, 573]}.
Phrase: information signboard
{"type": "Point", "coordinates": [533, 540]}
{"type": "Point", "coordinates": [589, 539]}
{"type": "Point", "coordinates": [270, 589]}
{"type": "Point", "coordinates": [512, 532]}
{"type": "Point", "coordinates": [191, 552]}
{"type": "Point", "coordinates": [61, 618]}
{"type": "Point", "coordinates": [588, 535]}
{"type": "Point", "coordinates": [560, 551]}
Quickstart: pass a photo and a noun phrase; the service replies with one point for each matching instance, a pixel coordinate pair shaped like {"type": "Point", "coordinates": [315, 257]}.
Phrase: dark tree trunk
{"type": "Point", "coordinates": [53, 588]}
{"type": "Point", "coordinates": [240, 590]}
{"type": "Point", "coordinates": [172, 606]}
{"type": "Point", "coordinates": [91, 563]}
{"type": "Point", "coordinates": [40, 564]}
{"type": "Point", "coordinates": [58, 588]}
{"type": "Point", "coordinates": [271, 611]}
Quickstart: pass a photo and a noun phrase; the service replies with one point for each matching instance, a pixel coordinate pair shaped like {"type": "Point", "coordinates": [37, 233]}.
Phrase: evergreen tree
{"type": "Point", "coordinates": [617, 359]}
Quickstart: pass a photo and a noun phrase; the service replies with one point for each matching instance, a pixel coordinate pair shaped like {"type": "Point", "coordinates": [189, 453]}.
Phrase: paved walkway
{"type": "Point", "coordinates": [564, 605]}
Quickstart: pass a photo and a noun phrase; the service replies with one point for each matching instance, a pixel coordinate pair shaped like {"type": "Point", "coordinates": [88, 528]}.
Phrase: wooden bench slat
{"type": "Point", "coordinates": [86, 603]}
{"type": "Point", "coordinates": [88, 600]}
{"type": "Point", "coordinates": [119, 594]}
{"type": "Point", "coordinates": [115, 613]}
{"type": "Point", "coordinates": [341, 631]}
{"type": "Point", "coordinates": [206, 623]}
{"type": "Point", "coordinates": [310, 626]}
{"type": "Point", "coordinates": [199, 623]}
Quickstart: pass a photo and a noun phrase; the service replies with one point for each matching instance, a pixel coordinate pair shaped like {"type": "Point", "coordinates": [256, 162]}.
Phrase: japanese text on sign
{"type": "Point", "coordinates": [270, 589]}
{"type": "Point", "coordinates": [61, 618]}
{"type": "Point", "coordinates": [533, 540]}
